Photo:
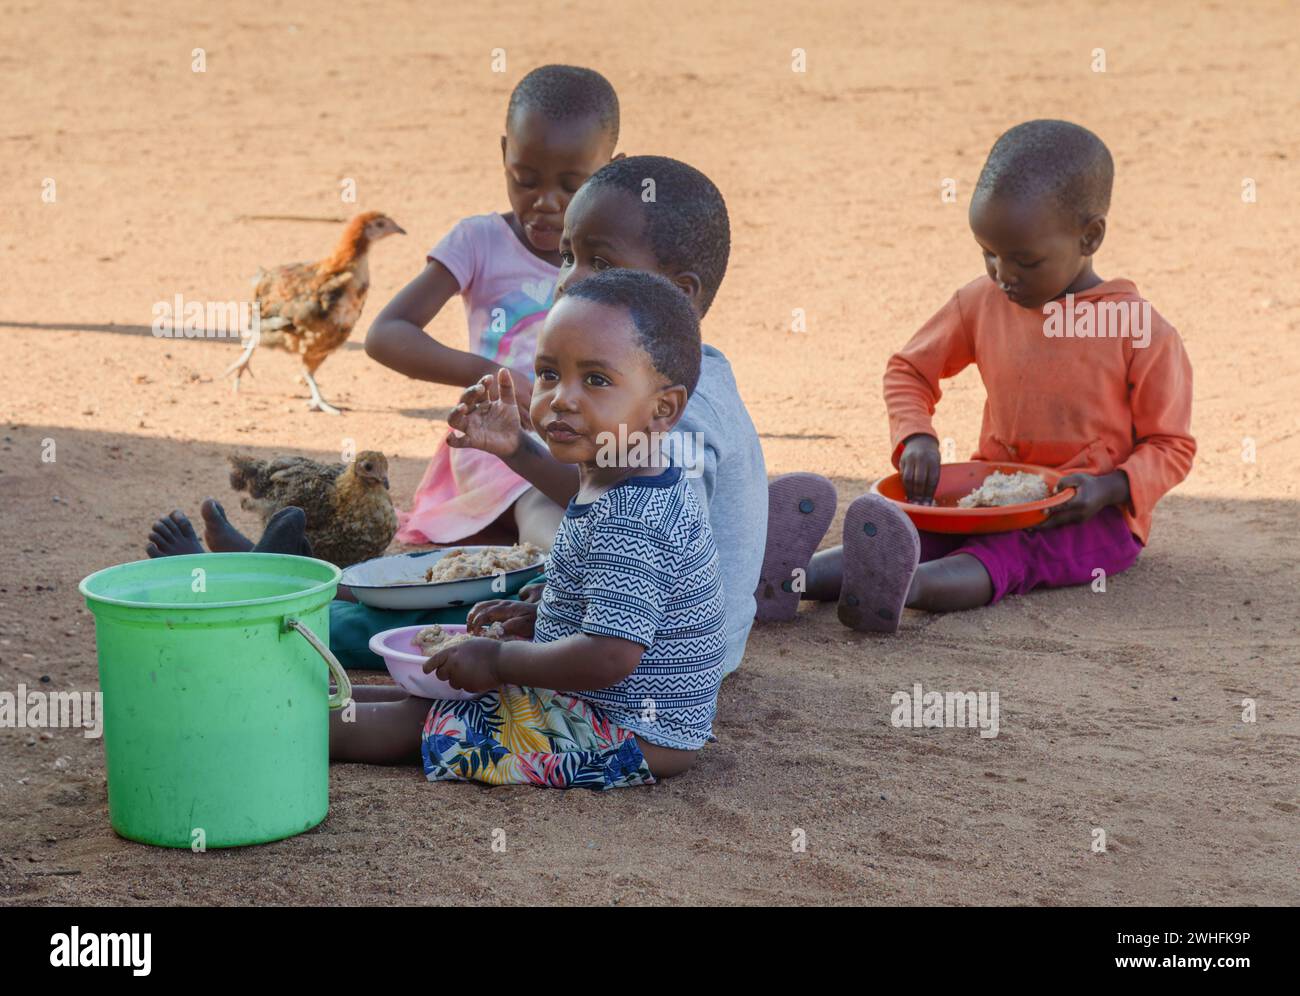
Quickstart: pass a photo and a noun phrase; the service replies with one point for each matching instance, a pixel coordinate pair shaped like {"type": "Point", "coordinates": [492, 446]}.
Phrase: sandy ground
{"type": "Point", "coordinates": [1120, 711]}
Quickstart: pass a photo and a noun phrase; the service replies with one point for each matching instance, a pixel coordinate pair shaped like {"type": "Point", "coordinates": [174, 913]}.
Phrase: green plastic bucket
{"type": "Point", "coordinates": [216, 699]}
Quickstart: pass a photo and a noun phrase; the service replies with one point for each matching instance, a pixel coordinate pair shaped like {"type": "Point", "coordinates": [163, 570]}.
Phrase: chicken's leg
{"type": "Point", "coordinates": [317, 403]}
{"type": "Point", "coordinates": [244, 363]}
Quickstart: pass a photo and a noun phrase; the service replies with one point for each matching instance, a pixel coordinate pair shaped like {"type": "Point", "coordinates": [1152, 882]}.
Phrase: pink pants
{"type": "Point", "coordinates": [1021, 561]}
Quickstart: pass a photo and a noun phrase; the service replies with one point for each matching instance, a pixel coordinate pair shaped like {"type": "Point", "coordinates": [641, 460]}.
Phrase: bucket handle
{"type": "Point", "coordinates": [343, 694]}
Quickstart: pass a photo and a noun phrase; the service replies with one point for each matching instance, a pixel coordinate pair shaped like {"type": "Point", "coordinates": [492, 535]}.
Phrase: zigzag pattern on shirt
{"type": "Point", "coordinates": [639, 563]}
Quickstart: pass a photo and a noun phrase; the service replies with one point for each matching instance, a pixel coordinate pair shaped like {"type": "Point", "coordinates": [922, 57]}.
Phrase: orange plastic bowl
{"type": "Point", "coordinates": [957, 480]}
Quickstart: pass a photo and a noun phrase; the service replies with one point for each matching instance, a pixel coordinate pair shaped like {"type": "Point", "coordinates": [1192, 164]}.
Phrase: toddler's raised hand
{"type": "Point", "coordinates": [522, 389]}
{"type": "Point", "coordinates": [488, 417]}
{"type": "Point", "coordinates": [919, 467]}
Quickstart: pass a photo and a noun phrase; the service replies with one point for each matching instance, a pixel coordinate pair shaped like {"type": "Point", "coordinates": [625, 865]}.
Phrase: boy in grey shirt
{"type": "Point", "coordinates": [682, 233]}
{"type": "Point", "coordinates": [730, 482]}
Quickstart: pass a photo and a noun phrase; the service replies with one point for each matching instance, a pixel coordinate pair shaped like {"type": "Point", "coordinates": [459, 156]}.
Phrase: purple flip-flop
{"type": "Point", "coordinates": [881, 552]}
{"type": "Point", "coordinates": [800, 508]}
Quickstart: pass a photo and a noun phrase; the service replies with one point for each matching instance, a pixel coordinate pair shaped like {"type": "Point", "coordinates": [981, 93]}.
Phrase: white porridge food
{"type": "Point", "coordinates": [463, 562]}
{"type": "Point", "coordinates": [431, 639]}
{"type": "Point", "coordinates": [1006, 489]}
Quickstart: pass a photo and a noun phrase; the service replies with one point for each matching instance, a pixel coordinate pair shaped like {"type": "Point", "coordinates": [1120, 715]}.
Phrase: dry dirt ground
{"type": "Point", "coordinates": [1120, 711]}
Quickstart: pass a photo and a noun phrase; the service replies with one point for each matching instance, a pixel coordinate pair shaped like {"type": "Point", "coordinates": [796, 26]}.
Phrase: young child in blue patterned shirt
{"type": "Point", "coordinates": [631, 626]}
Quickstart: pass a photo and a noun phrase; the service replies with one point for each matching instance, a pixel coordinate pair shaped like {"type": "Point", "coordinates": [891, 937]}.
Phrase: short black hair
{"type": "Point", "coordinates": [1060, 160]}
{"type": "Point", "coordinates": [666, 325]}
{"type": "Point", "coordinates": [686, 223]}
{"type": "Point", "coordinates": [567, 93]}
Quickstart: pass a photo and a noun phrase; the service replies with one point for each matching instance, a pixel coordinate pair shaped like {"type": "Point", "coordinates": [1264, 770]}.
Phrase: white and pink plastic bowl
{"type": "Point", "coordinates": [406, 663]}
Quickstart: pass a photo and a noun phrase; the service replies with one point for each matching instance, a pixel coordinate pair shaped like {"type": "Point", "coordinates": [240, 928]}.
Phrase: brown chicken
{"type": "Point", "coordinates": [311, 308]}
{"type": "Point", "coordinates": [350, 517]}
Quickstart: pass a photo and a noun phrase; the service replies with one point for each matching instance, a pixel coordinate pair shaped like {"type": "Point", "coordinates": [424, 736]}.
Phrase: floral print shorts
{"type": "Point", "coordinates": [530, 736]}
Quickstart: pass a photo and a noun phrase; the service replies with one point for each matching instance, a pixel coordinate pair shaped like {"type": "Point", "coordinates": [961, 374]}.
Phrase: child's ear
{"type": "Point", "coordinates": [670, 403]}
{"type": "Point", "coordinates": [1094, 231]}
{"type": "Point", "coordinates": [503, 150]}
{"type": "Point", "coordinates": [691, 285]}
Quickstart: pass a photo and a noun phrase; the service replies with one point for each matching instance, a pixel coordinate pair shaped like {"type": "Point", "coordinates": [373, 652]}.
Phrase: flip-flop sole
{"type": "Point", "coordinates": [881, 552]}
{"type": "Point", "coordinates": [800, 508]}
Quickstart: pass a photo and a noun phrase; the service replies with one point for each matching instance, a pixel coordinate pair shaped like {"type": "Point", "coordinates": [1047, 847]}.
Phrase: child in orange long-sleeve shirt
{"type": "Point", "coordinates": [1082, 375]}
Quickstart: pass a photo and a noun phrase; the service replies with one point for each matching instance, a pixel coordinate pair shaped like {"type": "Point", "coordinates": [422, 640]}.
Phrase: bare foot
{"type": "Point", "coordinates": [218, 533]}
{"type": "Point", "coordinates": [173, 536]}
{"type": "Point", "coordinates": [286, 532]}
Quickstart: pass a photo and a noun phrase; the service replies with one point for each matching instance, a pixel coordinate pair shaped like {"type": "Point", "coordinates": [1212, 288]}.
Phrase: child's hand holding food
{"type": "Point", "coordinates": [516, 618]}
{"type": "Point", "coordinates": [471, 666]}
{"type": "Point", "coordinates": [491, 415]}
{"type": "Point", "coordinates": [919, 467]}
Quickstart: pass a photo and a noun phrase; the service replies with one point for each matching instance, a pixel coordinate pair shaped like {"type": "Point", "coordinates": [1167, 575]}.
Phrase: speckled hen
{"type": "Point", "coordinates": [350, 517]}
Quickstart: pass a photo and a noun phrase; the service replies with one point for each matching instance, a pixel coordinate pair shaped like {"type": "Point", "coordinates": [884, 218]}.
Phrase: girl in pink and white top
{"type": "Point", "coordinates": [561, 126]}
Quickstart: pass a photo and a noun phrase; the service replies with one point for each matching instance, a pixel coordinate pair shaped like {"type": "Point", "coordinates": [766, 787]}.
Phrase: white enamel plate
{"type": "Point", "coordinates": [397, 582]}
